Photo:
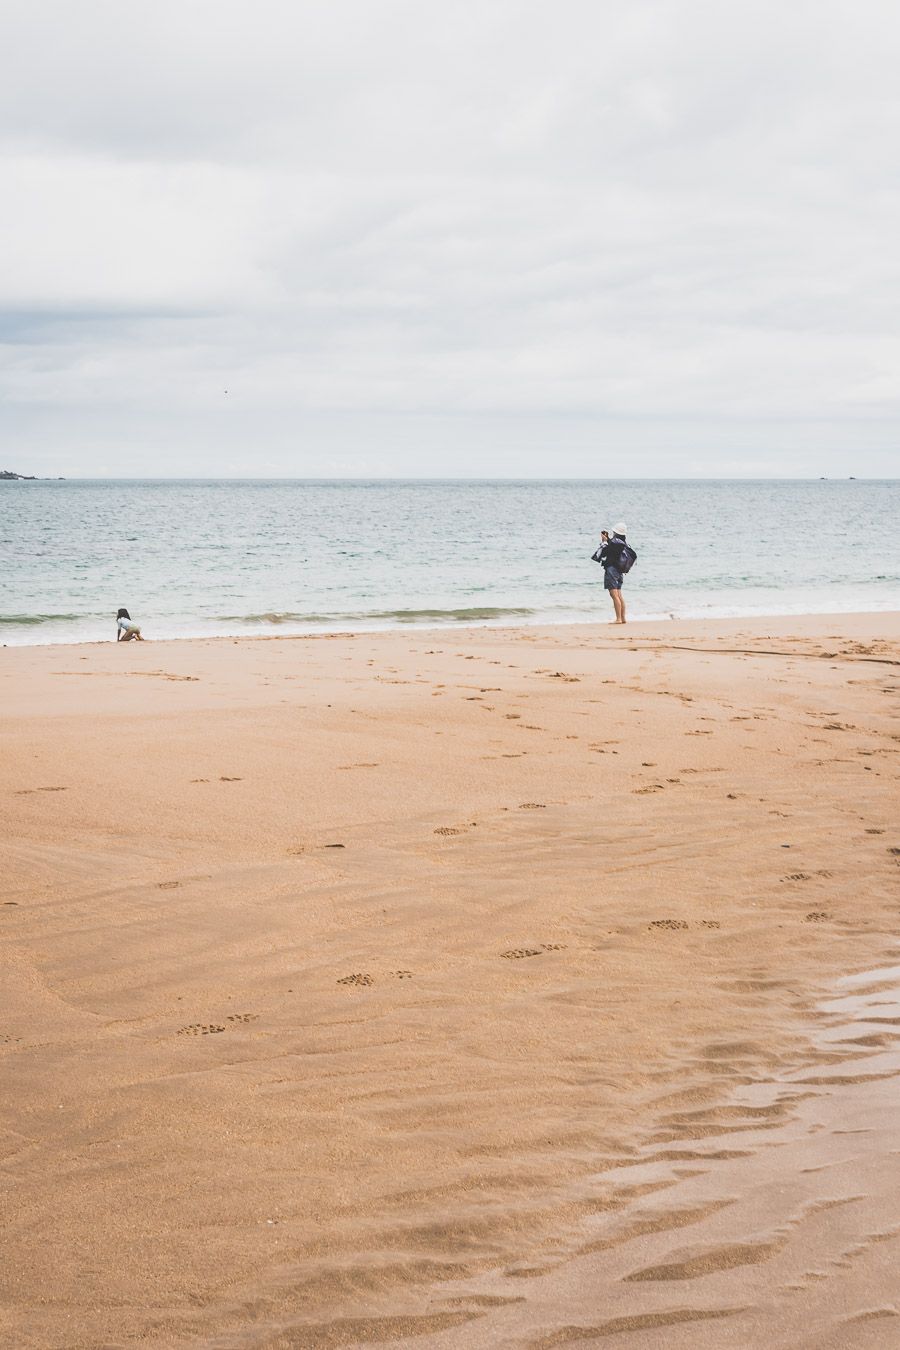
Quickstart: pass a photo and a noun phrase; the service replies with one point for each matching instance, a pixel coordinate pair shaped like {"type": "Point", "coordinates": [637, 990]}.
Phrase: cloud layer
{"type": "Point", "coordinates": [409, 238]}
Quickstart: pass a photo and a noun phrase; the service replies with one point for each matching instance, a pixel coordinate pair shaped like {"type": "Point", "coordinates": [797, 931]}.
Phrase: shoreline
{"type": "Point", "coordinates": [450, 983]}
{"type": "Point", "coordinates": [490, 626]}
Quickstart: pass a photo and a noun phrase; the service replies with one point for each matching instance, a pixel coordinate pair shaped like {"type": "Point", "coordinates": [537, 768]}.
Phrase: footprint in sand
{"type": "Point", "coordinates": [242, 1017]}
{"type": "Point", "coordinates": [167, 885]}
{"type": "Point", "coordinates": [817, 916]}
{"type": "Point", "coordinates": [356, 979]}
{"type": "Point", "coordinates": [223, 778]}
{"type": "Point", "coordinates": [807, 876]}
{"type": "Point", "coordinates": [532, 806]}
{"type": "Point", "coordinates": [518, 953]}
{"type": "Point", "coordinates": [199, 1029]}
{"type": "Point", "coordinates": [402, 974]}
{"type": "Point", "coordinates": [334, 845]}
{"type": "Point", "coordinates": [25, 792]}
{"type": "Point", "coordinates": [670, 925]}
{"type": "Point", "coordinates": [448, 829]}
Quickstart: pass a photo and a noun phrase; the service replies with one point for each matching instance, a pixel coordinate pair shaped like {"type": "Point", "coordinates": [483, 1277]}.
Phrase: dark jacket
{"type": "Point", "coordinates": [611, 553]}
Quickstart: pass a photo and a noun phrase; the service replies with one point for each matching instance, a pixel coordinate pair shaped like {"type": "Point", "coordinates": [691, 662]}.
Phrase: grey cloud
{"type": "Point", "coordinates": [381, 224]}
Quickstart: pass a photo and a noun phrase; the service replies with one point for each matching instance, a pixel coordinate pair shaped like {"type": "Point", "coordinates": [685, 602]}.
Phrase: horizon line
{"type": "Point", "coordinates": [441, 478]}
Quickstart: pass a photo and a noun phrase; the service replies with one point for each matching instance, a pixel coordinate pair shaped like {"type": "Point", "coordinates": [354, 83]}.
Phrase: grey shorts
{"type": "Point", "coordinates": [612, 579]}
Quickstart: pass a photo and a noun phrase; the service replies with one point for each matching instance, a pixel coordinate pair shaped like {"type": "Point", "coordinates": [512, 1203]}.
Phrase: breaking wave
{"type": "Point", "coordinates": [33, 619]}
{"type": "Point", "coordinates": [471, 614]}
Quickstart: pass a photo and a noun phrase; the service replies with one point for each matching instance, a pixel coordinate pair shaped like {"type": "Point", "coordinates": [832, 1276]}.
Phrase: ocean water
{"type": "Point", "coordinates": [241, 557]}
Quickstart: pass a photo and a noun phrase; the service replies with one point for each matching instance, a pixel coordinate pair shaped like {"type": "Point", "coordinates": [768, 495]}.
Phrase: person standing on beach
{"type": "Point", "coordinates": [126, 628]}
{"type": "Point", "coordinates": [611, 561]}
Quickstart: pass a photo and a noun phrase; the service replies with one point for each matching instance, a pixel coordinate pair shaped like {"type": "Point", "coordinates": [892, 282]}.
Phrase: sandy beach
{"type": "Point", "coordinates": [461, 988]}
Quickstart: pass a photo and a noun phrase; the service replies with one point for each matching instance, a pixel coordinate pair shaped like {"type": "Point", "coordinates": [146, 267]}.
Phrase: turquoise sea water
{"type": "Point", "coordinates": [240, 557]}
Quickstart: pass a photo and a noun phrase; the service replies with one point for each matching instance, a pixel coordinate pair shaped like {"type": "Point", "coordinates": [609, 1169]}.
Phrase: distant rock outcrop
{"type": "Point", "coordinates": [7, 473]}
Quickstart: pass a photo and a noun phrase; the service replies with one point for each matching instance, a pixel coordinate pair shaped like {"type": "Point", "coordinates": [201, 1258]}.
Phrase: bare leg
{"type": "Point", "coordinates": [621, 607]}
{"type": "Point", "coordinates": [618, 606]}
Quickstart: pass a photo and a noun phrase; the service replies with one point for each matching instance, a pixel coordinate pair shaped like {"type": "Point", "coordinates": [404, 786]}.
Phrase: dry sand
{"type": "Point", "coordinates": [482, 988]}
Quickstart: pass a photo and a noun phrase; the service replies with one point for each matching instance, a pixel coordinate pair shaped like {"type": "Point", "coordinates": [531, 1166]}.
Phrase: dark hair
{"type": "Point", "coordinates": [123, 614]}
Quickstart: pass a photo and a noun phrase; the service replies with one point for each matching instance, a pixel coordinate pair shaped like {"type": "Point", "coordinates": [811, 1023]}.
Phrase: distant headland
{"type": "Point", "coordinates": [7, 475]}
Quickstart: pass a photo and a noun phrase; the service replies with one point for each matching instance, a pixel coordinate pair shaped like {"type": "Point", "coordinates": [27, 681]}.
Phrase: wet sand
{"type": "Point", "coordinates": [488, 988]}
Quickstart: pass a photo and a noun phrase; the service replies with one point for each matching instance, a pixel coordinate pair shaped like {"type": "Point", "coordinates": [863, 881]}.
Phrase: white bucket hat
{"type": "Point", "coordinates": [619, 529]}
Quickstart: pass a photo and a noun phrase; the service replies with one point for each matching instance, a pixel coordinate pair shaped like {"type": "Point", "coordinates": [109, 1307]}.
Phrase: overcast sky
{"type": "Point", "coordinates": [486, 237]}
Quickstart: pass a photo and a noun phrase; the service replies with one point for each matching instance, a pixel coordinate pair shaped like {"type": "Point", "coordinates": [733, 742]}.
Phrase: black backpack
{"type": "Point", "coordinates": [627, 558]}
